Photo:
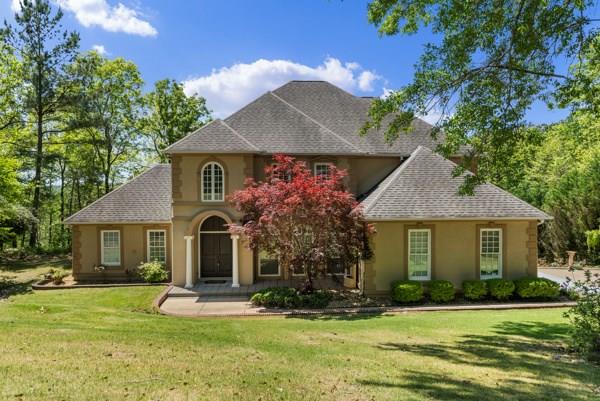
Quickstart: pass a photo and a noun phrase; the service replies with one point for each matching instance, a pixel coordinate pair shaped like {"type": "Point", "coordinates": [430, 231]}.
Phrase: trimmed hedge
{"type": "Point", "coordinates": [500, 288]}
{"type": "Point", "coordinates": [406, 292]}
{"type": "Point", "coordinates": [475, 290]}
{"type": "Point", "coordinates": [441, 291]}
{"type": "Point", "coordinates": [541, 288]}
{"type": "Point", "coordinates": [285, 297]}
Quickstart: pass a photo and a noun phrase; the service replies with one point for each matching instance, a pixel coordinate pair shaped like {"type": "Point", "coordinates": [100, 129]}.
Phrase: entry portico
{"type": "Point", "coordinates": [210, 250]}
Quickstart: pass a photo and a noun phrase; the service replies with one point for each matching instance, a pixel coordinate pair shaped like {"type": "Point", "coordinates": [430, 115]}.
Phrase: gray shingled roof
{"type": "Point", "coordinates": [423, 188]}
{"type": "Point", "coordinates": [303, 117]}
{"type": "Point", "coordinates": [215, 136]}
{"type": "Point", "coordinates": [146, 198]}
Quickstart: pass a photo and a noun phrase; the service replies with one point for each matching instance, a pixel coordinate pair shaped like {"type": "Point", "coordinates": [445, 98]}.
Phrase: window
{"type": "Point", "coordinates": [322, 170]}
{"type": "Point", "coordinates": [419, 254]}
{"type": "Point", "coordinates": [110, 247]}
{"type": "Point", "coordinates": [280, 175]}
{"type": "Point", "coordinates": [490, 253]}
{"type": "Point", "coordinates": [213, 182]}
{"type": "Point", "coordinates": [268, 265]}
{"type": "Point", "coordinates": [157, 246]}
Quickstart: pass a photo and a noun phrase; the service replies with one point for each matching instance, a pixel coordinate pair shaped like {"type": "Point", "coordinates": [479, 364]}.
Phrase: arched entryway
{"type": "Point", "coordinates": [215, 249]}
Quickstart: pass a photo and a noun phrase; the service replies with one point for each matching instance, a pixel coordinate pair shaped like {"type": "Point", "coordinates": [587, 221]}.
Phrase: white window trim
{"type": "Point", "coordinates": [424, 278]}
{"type": "Point", "coordinates": [148, 243]}
{"type": "Point", "coordinates": [212, 189]}
{"type": "Point", "coordinates": [269, 275]}
{"type": "Point", "coordinates": [319, 164]}
{"type": "Point", "coordinates": [500, 256]}
{"type": "Point", "coordinates": [102, 247]}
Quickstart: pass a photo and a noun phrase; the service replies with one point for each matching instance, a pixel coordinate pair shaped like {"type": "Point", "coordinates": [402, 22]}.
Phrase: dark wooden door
{"type": "Point", "coordinates": [216, 255]}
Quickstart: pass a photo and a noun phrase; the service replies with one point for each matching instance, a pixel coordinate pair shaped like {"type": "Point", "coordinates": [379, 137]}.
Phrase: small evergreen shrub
{"type": "Point", "coordinates": [441, 291]}
{"type": "Point", "coordinates": [531, 287]}
{"type": "Point", "coordinates": [500, 288]}
{"type": "Point", "coordinates": [285, 297]}
{"type": "Point", "coordinates": [405, 291]}
{"type": "Point", "coordinates": [475, 290]}
{"type": "Point", "coordinates": [153, 272]}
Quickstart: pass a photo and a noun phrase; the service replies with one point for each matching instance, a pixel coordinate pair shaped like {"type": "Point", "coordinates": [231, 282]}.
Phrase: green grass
{"type": "Point", "coordinates": [105, 344]}
{"type": "Point", "coordinates": [17, 275]}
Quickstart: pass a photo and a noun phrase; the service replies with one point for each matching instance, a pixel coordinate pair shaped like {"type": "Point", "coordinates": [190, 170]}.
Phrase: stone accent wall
{"type": "Point", "coordinates": [76, 249]}
{"type": "Point", "coordinates": [532, 255]}
{"type": "Point", "coordinates": [176, 182]}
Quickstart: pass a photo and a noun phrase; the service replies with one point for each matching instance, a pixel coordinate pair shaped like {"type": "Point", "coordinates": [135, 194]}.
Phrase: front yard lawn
{"type": "Point", "coordinates": [103, 344]}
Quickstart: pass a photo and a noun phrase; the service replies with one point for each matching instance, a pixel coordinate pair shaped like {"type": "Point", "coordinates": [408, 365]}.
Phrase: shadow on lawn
{"type": "Point", "coordinates": [528, 349]}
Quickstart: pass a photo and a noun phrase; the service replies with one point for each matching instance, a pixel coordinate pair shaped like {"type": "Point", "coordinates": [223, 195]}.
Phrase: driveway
{"type": "Point", "coordinates": [560, 274]}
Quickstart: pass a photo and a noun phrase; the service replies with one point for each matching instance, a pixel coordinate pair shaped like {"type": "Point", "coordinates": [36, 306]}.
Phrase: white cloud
{"type": "Point", "coordinates": [119, 18]}
{"type": "Point", "coordinates": [100, 49]}
{"type": "Point", "coordinates": [229, 88]}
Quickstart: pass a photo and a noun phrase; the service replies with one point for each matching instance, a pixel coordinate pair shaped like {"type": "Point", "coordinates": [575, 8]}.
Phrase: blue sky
{"type": "Point", "coordinates": [232, 51]}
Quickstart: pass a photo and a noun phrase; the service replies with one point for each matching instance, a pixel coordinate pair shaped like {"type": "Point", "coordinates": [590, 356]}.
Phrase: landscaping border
{"type": "Point", "coordinates": [389, 310]}
{"type": "Point", "coordinates": [44, 285]}
{"type": "Point", "coordinates": [162, 297]}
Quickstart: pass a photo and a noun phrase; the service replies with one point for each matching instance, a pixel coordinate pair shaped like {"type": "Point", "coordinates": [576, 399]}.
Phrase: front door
{"type": "Point", "coordinates": [215, 248]}
{"type": "Point", "coordinates": [216, 255]}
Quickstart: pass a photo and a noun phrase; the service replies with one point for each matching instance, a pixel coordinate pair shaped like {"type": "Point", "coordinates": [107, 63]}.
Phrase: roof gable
{"type": "Point", "coordinates": [423, 188]}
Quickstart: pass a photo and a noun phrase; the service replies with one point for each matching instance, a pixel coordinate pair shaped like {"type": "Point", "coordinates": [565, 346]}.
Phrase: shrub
{"type": "Point", "coordinates": [285, 297]}
{"type": "Point", "coordinates": [58, 277]}
{"type": "Point", "coordinates": [405, 292]}
{"type": "Point", "coordinates": [531, 287]}
{"type": "Point", "coordinates": [441, 291]}
{"type": "Point", "coordinates": [585, 319]}
{"type": "Point", "coordinates": [475, 290]}
{"type": "Point", "coordinates": [500, 289]}
{"type": "Point", "coordinates": [153, 272]}
{"type": "Point", "coordinates": [317, 299]}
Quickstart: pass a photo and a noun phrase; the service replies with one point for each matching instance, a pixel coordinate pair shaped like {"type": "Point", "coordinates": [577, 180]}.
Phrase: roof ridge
{"type": "Point", "coordinates": [190, 134]}
{"type": "Point", "coordinates": [114, 191]}
{"type": "Point", "coordinates": [317, 122]}
{"type": "Point", "coordinates": [240, 135]}
{"type": "Point", "coordinates": [393, 178]}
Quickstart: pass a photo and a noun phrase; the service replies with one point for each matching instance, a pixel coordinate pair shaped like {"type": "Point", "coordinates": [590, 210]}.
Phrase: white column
{"type": "Point", "coordinates": [188, 261]}
{"type": "Point", "coordinates": [236, 268]}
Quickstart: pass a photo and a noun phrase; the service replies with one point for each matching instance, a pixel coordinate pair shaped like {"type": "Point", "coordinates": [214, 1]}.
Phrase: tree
{"type": "Point", "coordinates": [492, 62]}
{"type": "Point", "coordinates": [11, 89]}
{"type": "Point", "coordinates": [170, 115]}
{"type": "Point", "coordinates": [108, 105]}
{"type": "Point", "coordinates": [306, 220]}
{"type": "Point", "coordinates": [43, 48]}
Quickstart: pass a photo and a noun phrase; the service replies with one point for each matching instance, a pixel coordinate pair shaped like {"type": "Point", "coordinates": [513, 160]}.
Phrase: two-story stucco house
{"type": "Point", "coordinates": [176, 212]}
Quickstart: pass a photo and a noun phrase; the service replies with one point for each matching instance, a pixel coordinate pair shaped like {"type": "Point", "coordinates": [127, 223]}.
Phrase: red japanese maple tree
{"type": "Point", "coordinates": [307, 221]}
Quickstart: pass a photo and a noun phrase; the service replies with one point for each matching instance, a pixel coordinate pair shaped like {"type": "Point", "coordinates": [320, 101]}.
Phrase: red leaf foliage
{"type": "Point", "coordinates": [306, 220]}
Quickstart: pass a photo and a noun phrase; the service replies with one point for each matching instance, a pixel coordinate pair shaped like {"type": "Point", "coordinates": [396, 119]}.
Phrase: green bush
{"type": "Point", "coordinates": [58, 277]}
{"type": "Point", "coordinates": [285, 297]}
{"type": "Point", "coordinates": [585, 318]}
{"type": "Point", "coordinates": [153, 272]}
{"type": "Point", "coordinates": [500, 289]}
{"type": "Point", "coordinates": [405, 291]}
{"type": "Point", "coordinates": [531, 287]}
{"type": "Point", "coordinates": [441, 291]}
{"type": "Point", "coordinates": [475, 290]}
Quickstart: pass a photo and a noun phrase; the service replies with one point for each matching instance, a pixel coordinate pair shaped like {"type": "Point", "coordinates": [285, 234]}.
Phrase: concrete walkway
{"type": "Point", "coordinates": [208, 306]}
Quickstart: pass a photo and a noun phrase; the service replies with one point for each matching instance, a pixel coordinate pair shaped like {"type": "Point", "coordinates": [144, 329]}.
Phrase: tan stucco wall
{"type": "Point", "coordinates": [189, 210]}
{"type": "Point", "coordinates": [454, 252]}
{"type": "Point", "coordinates": [86, 249]}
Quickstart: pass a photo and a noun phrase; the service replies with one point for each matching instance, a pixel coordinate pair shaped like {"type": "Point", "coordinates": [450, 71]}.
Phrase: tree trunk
{"type": "Point", "coordinates": [63, 168]}
{"type": "Point", "coordinates": [35, 208]}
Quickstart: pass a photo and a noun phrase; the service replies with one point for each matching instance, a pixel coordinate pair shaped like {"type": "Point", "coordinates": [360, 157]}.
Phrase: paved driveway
{"type": "Point", "coordinates": [559, 274]}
